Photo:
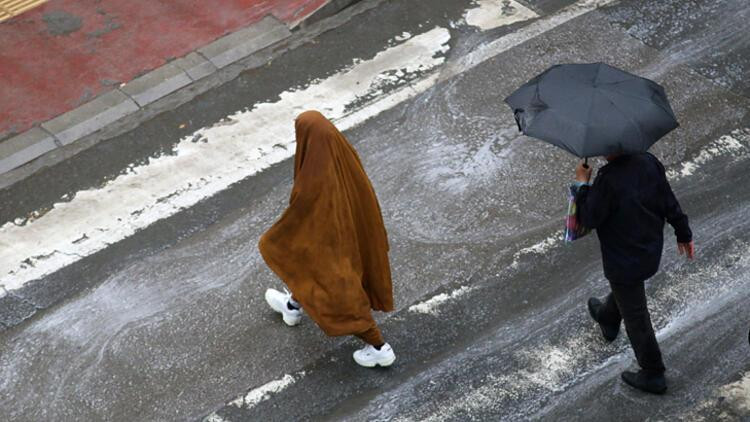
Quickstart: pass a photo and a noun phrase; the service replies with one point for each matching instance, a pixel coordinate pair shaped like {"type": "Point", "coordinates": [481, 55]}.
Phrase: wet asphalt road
{"type": "Point", "coordinates": [170, 323]}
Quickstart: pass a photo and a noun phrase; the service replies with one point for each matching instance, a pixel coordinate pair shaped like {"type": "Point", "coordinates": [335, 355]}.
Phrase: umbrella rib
{"type": "Point", "coordinates": [605, 87]}
{"type": "Point", "coordinates": [647, 100]}
{"type": "Point", "coordinates": [588, 119]}
{"type": "Point", "coordinates": [630, 119]}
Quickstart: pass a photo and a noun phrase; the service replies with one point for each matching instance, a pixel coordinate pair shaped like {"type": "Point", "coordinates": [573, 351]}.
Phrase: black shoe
{"type": "Point", "coordinates": [654, 384]}
{"type": "Point", "coordinates": [608, 331]}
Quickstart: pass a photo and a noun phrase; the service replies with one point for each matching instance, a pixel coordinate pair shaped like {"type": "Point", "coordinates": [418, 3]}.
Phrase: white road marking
{"type": "Point", "coordinates": [729, 402]}
{"type": "Point", "coordinates": [214, 418]}
{"type": "Point", "coordinates": [264, 392]}
{"type": "Point", "coordinates": [736, 143]}
{"type": "Point", "coordinates": [244, 144]}
{"type": "Point", "coordinates": [737, 394]}
{"type": "Point", "coordinates": [432, 305]}
{"type": "Point", "coordinates": [492, 14]}
{"type": "Point", "coordinates": [543, 245]}
{"type": "Point", "coordinates": [540, 247]}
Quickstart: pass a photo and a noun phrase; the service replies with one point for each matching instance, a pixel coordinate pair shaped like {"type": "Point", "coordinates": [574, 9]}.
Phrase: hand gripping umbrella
{"type": "Point", "coordinates": [593, 110]}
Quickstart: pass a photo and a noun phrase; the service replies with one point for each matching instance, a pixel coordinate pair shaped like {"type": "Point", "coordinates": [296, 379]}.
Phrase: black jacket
{"type": "Point", "coordinates": [627, 205]}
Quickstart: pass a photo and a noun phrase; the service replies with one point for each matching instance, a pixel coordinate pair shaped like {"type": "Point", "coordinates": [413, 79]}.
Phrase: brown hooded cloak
{"type": "Point", "coordinates": [330, 246]}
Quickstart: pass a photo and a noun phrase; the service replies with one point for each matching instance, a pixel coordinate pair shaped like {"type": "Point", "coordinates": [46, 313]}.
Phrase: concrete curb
{"type": "Point", "coordinates": [90, 117]}
{"type": "Point", "coordinates": [25, 147]}
{"type": "Point", "coordinates": [128, 99]}
{"type": "Point", "coordinates": [156, 84]}
{"type": "Point", "coordinates": [245, 42]}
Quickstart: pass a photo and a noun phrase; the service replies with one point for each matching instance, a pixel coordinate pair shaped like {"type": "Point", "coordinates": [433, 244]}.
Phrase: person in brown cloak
{"type": "Point", "coordinates": [330, 246]}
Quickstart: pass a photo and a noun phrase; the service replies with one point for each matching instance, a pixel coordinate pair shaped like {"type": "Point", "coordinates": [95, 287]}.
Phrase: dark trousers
{"type": "Point", "coordinates": [628, 302]}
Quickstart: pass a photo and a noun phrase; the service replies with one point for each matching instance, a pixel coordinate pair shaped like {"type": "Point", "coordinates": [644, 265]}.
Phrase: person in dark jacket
{"type": "Point", "coordinates": [628, 204]}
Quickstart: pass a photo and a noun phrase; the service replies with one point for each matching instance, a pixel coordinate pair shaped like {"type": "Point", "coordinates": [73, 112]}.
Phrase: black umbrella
{"type": "Point", "coordinates": [593, 110]}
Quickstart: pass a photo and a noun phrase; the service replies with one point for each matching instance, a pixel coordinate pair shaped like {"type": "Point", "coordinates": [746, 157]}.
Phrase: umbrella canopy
{"type": "Point", "coordinates": [593, 110]}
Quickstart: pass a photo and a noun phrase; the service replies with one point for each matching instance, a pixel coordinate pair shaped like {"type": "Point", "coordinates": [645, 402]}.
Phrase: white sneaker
{"type": "Point", "coordinates": [278, 302]}
{"type": "Point", "coordinates": [369, 356]}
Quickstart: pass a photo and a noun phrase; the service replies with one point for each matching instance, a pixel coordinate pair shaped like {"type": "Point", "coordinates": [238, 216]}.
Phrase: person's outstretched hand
{"type": "Point", "coordinates": [583, 173]}
{"type": "Point", "coordinates": [687, 249]}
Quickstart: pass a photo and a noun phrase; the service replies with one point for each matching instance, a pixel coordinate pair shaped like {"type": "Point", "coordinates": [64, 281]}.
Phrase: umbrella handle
{"type": "Point", "coordinates": [518, 121]}
{"type": "Point", "coordinates": [586, 163]}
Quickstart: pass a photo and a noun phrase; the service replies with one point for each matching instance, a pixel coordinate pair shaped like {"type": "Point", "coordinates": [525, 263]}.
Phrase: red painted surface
{"type": "Point", "coordinates": [43, 75]}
